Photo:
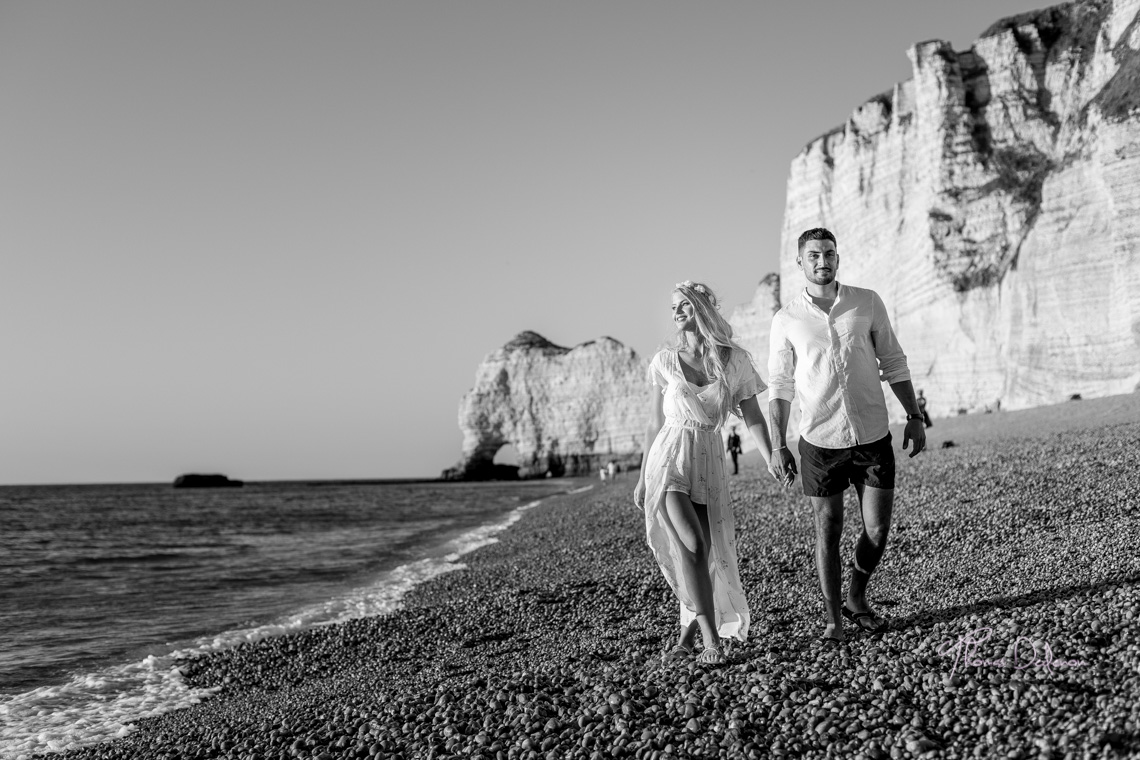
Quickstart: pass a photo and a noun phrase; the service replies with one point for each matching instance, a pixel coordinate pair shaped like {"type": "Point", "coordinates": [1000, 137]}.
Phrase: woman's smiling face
{"type": "Point", "coordinates": [684, 315]}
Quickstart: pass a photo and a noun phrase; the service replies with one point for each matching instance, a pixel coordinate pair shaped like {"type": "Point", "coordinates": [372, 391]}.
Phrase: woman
{"type": "Point", "coordinates": [683, 485]}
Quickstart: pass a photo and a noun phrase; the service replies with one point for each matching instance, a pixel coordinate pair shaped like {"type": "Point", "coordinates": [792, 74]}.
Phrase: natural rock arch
{"type": "Point", "coordinates": [507, 455]}
{"type": "Point", "coordinates": [564, 410]}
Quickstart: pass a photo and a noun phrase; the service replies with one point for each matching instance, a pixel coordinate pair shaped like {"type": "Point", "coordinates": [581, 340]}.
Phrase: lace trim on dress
{"type": "Point", "coordinates": [691, 424]}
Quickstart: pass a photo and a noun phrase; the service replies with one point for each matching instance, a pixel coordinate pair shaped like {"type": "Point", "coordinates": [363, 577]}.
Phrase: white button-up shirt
{"type": "Point", "coordinates": [834, 361]}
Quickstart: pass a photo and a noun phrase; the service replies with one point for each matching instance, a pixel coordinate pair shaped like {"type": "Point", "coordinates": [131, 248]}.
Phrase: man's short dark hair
{"type": "Point", "coordinates": [816, 233]}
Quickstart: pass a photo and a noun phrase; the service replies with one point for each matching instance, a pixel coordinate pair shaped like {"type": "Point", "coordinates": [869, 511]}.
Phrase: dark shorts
{"type": "Point", "coordinates": [826, 472]}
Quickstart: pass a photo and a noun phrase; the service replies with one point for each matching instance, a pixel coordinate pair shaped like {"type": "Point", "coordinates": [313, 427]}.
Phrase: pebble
{"type": "Point", "coordinates": [548, 644]}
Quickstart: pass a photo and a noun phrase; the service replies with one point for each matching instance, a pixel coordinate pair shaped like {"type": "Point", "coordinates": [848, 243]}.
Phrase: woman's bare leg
{"type": "Point", "coordinates": [689, 632]}
{"type": "Point", "coordinates": [703, 515]}
{"type": "Point", "coordinates": [688, 635]}
{"type": "Point", "coordinates": [694, 561]}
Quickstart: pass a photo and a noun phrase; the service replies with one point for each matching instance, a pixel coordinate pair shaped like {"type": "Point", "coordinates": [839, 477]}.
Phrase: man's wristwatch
{"type": "Point", "coordinates": [910, 417]}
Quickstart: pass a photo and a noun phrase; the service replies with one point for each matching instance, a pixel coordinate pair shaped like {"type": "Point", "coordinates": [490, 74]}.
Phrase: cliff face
{"type": "Point", "coordinates": [751, 326]}
{"type": "Point", "coordinates": [752, 322]}
{"type": "Point", "coordinates": [564, 410]}
{"type": "Point", "coordinates": [994, 202]}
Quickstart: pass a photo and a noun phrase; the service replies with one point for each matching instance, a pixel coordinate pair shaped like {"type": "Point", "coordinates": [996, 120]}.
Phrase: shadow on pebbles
{"type": "Point", "coordinates": [1011, 581]}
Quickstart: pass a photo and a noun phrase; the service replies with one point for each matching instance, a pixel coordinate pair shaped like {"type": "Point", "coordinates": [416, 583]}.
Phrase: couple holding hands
{"type": "Point", "coordinates": [830, 345]}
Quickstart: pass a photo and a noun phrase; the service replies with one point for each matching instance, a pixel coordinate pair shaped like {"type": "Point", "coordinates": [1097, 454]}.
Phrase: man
{"type": "Point", "coordinates": [734, 449]}
{"type": "Point", "coordinates": [926, 421]}
{"type": "Point", "coordinates": [831, 345]}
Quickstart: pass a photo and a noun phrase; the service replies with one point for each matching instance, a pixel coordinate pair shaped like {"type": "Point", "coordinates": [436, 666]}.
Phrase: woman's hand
{"type": "Point", "coordinates": [639, 493]}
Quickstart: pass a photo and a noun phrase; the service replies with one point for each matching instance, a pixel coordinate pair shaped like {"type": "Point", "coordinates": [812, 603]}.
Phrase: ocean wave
{"type": "Point", "coordinates": [98, 707]}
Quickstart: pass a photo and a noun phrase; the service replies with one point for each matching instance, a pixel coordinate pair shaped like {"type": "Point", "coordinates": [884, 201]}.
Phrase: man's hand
{"type": "Point", "coordinates": [782, 465]}
{"type": "Point", "coordinates": [639, 493]}
{"type": "Point", "coordinates": [915, 431]}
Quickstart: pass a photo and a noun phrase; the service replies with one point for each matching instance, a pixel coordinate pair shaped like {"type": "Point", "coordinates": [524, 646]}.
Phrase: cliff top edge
{"type": "Point", "coordinates": [1065, 26]}
{"type": "Point", "coordinates": [528, 340]}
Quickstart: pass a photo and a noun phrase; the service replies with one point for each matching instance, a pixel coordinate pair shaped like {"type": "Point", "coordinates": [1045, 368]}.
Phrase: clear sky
{"type": "Point", "coordinates": [274, 239]}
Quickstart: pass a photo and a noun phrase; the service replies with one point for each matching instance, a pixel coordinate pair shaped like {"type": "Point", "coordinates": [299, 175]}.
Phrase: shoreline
{"type": "Point", "coordinates": [92, 705]}
{"type": "Point", "coordinates": [547, 643]}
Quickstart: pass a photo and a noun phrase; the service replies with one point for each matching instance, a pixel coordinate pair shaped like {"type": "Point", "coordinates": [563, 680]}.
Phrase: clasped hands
{"type": "Point", "coordinates": [782, 466]}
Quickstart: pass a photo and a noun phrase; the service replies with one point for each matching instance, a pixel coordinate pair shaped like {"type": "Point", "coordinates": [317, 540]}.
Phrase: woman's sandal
{"type": "Point", "coordinates": [676, 654]}
{"type": "Point", "coordinates": [712, 656]}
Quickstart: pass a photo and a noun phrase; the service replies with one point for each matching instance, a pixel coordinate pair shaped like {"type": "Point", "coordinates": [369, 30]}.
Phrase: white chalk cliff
{"type": "Point", "coordinates": [564, 410]}
{"type": "Point", "coordinates": [752, 322]}
{"type": "Point", "coordinates": [994, 202]}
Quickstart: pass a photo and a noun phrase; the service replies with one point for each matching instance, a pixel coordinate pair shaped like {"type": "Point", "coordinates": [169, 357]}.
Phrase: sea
{"type": "Point", "coordinates": [104, 587]}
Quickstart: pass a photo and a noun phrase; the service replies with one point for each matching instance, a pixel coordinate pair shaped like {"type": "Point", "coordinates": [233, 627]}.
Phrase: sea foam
{"type": "Point", "coordinates": [97, 707]}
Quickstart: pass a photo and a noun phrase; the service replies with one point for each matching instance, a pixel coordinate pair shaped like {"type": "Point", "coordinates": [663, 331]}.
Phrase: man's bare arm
{"type": "Point", "coordinates": [779, 410]}
{"type": "Point", "coordinates": [782, 464]}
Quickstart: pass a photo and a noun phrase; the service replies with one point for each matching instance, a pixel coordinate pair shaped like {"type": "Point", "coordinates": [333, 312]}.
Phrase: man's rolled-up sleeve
{"type": "Point", "coordinates": [781, 363]}
{"type": "Point", "coordinates": [892, 361]}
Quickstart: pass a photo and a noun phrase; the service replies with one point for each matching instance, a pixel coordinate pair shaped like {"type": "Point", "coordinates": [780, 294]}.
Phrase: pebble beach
{"type": "Point", "coordinates": [1011, 583]}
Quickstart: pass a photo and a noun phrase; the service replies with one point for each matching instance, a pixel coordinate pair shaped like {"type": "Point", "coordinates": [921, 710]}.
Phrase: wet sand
{"type": "Point", "coordinates": [1023, 536]}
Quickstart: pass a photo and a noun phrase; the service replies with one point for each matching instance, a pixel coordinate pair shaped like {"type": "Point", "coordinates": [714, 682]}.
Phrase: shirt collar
{"type": "Point", "coordinates": [805, 296]}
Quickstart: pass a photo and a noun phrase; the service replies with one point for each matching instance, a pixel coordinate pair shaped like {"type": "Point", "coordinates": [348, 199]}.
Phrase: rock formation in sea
{"type": "Point", "coordinates": [564, 410]}
{"type": "Point", "coordinates": [196, 480]}
{"type": "Point", "coordinates": [993, 200]}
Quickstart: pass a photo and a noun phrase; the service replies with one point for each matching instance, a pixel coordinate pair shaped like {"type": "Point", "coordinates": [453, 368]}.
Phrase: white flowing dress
{"type": "Point", "coordinates": [688, 456]}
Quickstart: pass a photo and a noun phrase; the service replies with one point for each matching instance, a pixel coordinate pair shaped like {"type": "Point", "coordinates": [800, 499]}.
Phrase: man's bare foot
{"type": "Point", "coordinates": [861, 614]}
{"type": "Point", "coordinates": [856, 603]}
{"type": "Point", "coordinates": [867, 621]}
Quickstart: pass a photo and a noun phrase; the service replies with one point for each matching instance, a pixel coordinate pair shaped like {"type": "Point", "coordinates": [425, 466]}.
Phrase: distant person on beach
{"type": "Point", "coordinates": [611, 469]}
{"type": "Point", "coordinates": [734, 449]}
{"type": "Point", "coordinates": [683, 483]}
{"type": "Point", "coordinates": [830, 345]}
{"type": "Point", "coordinates": [922, 409]}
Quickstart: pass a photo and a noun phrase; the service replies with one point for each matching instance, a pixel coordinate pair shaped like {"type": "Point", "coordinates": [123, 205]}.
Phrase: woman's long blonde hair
{"type": "Point", "coordinates": [714, 339]}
